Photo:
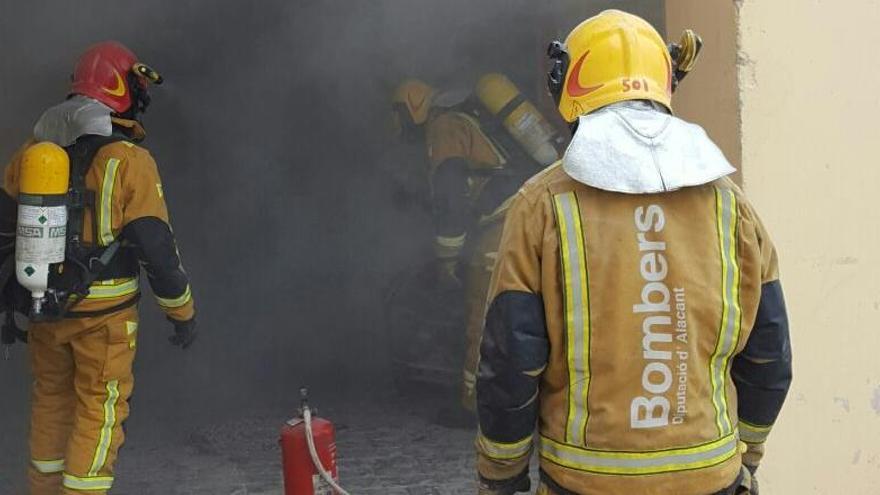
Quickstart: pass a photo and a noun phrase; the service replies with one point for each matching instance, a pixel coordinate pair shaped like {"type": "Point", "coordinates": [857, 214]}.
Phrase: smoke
{"type": "Point", "coordinates": [269, 134]}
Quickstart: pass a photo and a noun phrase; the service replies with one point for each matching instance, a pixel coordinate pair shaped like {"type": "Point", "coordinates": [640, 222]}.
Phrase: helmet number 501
{"type": "Point", "coordinates": [634, 84]}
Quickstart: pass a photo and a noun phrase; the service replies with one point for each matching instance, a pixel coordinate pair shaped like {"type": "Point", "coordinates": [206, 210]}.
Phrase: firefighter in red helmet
{"type": "Point", "coordinates": [83, 333]}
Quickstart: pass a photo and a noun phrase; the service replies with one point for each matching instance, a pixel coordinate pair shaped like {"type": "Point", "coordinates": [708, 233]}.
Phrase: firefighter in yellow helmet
{"type": "Point", "coordinates": [84, 328]}
{"type": "Point", "coordinates": [481, 147]}
{"type": "Point", "coordinates": [636, 313]}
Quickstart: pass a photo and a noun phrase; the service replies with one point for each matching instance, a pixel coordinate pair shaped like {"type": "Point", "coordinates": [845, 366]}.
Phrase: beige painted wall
{"type": "Point", "coordinates": [809, 131]}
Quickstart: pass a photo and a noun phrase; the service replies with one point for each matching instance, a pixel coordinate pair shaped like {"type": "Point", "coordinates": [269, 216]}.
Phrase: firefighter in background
{"type": "Point", "coordinates": [481, 148]}
{"type": "Point", "coordinates": [636, 312]}
{"type": "Point", "coordinates": [81, 356]}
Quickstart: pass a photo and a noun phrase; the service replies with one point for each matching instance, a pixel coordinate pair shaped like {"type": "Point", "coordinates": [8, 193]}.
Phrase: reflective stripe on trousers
{"type": "Point", "coordinates": [572, 246]}
{"type": "Point", "coordinates": [48, 467]}
{"type": "Point", "coordinates": [449, 247]}
{"type": "Point", "coordinates": [504, 451]}
{"type": "Point", "coordinates": [92, 483]}
{"type": "Point", "coordinates": [752, 433]}
{"type": "Point", "coordinates": [106, 438]}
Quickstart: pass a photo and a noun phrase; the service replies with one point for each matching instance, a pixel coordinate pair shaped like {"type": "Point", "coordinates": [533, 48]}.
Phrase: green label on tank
{"type": "Point", "coordinates": [29, 271]}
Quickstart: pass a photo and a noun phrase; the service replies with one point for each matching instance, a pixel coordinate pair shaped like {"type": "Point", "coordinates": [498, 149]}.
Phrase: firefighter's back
{"type": "Point", "coordinates": [656, 295]}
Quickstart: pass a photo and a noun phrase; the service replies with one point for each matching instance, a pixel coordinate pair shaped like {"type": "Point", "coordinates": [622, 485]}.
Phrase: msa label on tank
{"type": "Point", "coordinates": [526, 123]}
{"type": "Point", "coordinates": [41, 234]}
{"type": "Point", "coordinates": [30, 231]}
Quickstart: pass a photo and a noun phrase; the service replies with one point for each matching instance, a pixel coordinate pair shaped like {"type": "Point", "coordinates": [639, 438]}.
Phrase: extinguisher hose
{"type": "Point", "coordinates": [310, 439]}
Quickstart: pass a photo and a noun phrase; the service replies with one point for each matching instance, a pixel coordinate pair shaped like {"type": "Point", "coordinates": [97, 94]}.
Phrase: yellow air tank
{"type": "Point", "coordinates": [521, 119]}
{"type": "Point", "coordinates": [42, 217]}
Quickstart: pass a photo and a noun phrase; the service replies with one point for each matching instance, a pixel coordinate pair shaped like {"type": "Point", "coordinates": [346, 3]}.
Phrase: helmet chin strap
{"type": "Point", "coordinates": [140, 99]}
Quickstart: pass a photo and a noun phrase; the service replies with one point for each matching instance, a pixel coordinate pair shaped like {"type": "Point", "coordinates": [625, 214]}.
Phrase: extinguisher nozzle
{"type": "Point", "coordinates": [303, 399]}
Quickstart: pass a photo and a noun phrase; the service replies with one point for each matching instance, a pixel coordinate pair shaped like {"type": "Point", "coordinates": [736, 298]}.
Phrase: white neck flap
{"type": "Point", "coordinates": [637, 148]}
{"type": "Point", "coordinates": [77, 116]}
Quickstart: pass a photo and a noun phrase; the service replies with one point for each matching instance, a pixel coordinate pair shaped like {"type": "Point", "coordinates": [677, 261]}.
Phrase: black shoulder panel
{"type": "Point", "coordinates": [762, 371]}
{"type": "Point", "coordinates": [153, 242]}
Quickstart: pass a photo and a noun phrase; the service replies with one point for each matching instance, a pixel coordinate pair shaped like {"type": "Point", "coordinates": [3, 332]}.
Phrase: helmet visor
{"type": "Point", "coordinates": [147, 72]}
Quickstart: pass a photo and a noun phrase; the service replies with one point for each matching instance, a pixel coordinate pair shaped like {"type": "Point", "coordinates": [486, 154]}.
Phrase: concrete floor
{"type": "Point", "coordinates": [389, 447]}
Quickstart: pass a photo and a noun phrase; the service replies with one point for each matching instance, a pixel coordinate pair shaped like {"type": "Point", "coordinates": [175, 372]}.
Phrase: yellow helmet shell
{"type": "Point", "coordinates": [44, 170]}
{"type": "Point", "coordinates": [417, 96]}
{"type": "Point", "coordinates": [613, 57]}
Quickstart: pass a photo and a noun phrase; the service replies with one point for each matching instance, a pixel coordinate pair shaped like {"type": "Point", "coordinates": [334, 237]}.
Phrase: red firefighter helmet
{"type": "Point", "coordinates": [110, 73]}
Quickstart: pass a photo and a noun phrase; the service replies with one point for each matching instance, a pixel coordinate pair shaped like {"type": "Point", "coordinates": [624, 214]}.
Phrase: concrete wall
{"type": "Point", "coordinates": [808, 134]}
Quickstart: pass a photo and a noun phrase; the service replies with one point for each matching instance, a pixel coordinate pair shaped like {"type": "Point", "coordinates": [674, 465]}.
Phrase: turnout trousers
{"type": "Point", "coordinates": [82, 382]}
{"type": "Point", "coordinates": [734, 489]}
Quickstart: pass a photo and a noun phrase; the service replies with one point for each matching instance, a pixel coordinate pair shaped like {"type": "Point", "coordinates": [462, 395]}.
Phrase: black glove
{"type": "Point", "coordinates": [184, 332]}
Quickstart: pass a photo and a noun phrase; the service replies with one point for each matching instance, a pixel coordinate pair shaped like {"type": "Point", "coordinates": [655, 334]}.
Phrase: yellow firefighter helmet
{"type": "Point", "coordinates": [411, 105]}
{"type": "Point", "coordinates": [415, 97]}
{"type": "Point", "coordinates": [612, 57]}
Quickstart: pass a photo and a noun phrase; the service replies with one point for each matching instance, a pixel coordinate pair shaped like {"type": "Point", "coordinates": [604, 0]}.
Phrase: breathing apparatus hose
{"type": "Point", "coordinates": [310, 439]}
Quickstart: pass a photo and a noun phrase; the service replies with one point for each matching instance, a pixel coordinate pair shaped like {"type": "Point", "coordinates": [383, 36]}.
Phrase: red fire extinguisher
{"type": "Point", "coordinates": [308, 450]}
